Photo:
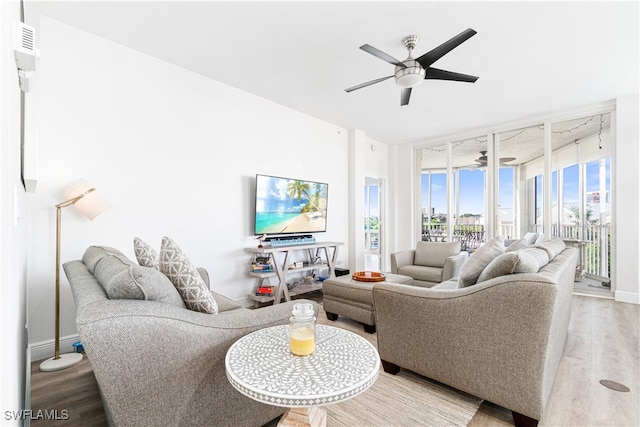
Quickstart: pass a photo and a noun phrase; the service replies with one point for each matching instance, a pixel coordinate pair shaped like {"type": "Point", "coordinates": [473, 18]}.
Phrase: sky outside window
{"type": "Point", "coordinates": [438, 192]}
{"type": "Point", "coordinates": [570, 188]}
{"type": "Point", "coordinates": [472, 192]}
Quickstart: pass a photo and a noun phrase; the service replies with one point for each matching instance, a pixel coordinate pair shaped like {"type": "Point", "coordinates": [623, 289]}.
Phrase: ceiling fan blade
{"type": "Point", "coordinates": [380, 54]}
{"type": "Point", "coordinates": [503, 160]}
{"type": "Point", "coordinates": [404, 96]}
{"type": "Point", "coordinates": [438, 74]}
{"type": "Point", "coordinates": [433, 55]}
{"type": "Point", "coordinates": [372, 82]}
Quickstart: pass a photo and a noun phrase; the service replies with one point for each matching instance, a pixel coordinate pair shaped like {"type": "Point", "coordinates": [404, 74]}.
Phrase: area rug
{"type": "Point", "coordinates": [405, 399]}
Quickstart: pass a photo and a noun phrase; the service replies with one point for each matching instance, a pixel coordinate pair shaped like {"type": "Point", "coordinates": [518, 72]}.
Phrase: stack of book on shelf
{"type": "Point", "coordinates": [266, 291]}
{"type": "Point", "coordinates": [262, 264]}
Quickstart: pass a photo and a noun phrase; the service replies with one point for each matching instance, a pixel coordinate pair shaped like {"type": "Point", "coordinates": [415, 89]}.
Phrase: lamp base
{"type": "Point", "coordinates": [63, 362]}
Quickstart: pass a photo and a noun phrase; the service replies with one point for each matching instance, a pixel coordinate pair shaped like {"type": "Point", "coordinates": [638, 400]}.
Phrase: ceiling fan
{"type": "Point", "coordinates": [411, 72]}
{"type": "Point", "coordinates": [482, 160]}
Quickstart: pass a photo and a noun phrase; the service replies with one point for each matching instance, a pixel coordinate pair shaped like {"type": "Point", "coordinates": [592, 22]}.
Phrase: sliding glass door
{"type": "Point", "coordinates": [469, 169]}
{"type": "Point", "coordinates": [434, 206]}
{"type": "Point", "coordinates": [372, 224]}
{"type": "Point", "coordinates": [583, 211]}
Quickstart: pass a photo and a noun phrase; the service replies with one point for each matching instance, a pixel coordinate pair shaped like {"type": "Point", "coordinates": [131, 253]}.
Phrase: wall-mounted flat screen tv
{"type": "Point", "coordinates": [290, 206]}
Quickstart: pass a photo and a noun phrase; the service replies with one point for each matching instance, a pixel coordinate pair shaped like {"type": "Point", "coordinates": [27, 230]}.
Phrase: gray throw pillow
{"type": "Point", "coordinates": [539, 256]}
{"type": "Point", "coordinates": [122, 279]}
{"type": "Point", "coordinates": [185, 277]}
{"type": "Point", "coordinates": [552, 246]}
{"type": "Point", "coordinates": [516, 245]}
{"type": "Point", "coordinates": [531, 238]}
{"type": "Point", "coordinates": [94, 254]}
{"type": "Point", "coordinates": [145, 254]}
{"type": "Point", "coordinates": [509, 263]}
{"type": "Point", "coordinates": [478, 261]}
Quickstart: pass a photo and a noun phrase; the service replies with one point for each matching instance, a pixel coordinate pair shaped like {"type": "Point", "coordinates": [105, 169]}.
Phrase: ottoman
{"type": "Point", "coordinates": [350, 298]}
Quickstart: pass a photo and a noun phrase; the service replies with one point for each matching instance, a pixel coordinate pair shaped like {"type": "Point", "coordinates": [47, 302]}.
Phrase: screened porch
{"type": "Point", "coordinates": [549, 177]}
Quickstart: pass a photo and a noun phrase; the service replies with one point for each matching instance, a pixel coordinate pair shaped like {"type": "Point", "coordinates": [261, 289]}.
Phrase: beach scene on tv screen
{"type": "Point", "coordinates": [290, 206]}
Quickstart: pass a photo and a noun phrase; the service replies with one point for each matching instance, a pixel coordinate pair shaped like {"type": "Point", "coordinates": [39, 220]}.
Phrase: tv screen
{"type": "Point", "coordinates": [290, 206]}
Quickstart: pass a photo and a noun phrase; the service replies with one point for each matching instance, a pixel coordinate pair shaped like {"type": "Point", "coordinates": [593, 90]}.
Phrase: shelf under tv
{"type": "Point", "coordinates": [308, 267]}
{"type": "Point", "coordinates": [282, 259]}
{"type": "Point", "coordinates": [298, 290]}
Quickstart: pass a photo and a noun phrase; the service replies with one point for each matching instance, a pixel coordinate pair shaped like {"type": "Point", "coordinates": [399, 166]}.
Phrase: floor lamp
{"type": "Point", "coordinates": [90, 203]}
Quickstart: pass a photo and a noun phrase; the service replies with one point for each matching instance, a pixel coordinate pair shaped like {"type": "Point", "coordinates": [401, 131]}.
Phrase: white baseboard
{"type": "Point", "coordinates": [27, 386]}
{"type": "Point", "coordinates": [627, 297]}
{"type": "Point", "coordinates": [46, 349]}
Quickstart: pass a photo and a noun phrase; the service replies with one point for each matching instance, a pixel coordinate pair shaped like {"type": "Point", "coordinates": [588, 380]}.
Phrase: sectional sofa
{"type": "Point", "coordinates": [157, 362]}
{"type": "Point", "coordinates": [497, 334]}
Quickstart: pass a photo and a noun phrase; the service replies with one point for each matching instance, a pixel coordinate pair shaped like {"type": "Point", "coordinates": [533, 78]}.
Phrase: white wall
{"type": "Point", "coordinates": [174, 152]}
{"type": "Point", "coordinates": [626, 252]}
{"type": "Point", "coordinates": [367, 158]}
{"type": "Point", "coordinates": [13, 229]}
{"type": "Point", "coordinates": [405, 207]}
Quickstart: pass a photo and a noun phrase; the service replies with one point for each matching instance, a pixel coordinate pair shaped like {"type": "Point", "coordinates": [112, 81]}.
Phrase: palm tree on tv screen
{"type": "Point", "coordinates": [298, 189]}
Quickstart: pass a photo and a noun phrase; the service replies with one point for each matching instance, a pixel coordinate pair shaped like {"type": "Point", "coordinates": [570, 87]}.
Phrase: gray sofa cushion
{"type": "Point", "coordinates": [122, 279]}
{"type": "Point", "coordinates": [448, 284]}
{"type": "Point", "coordinates": [471, 270]}
{"type": "Point", "coordinates": [426, 274]}
{"type": "Point", "coordinates": [434, 254]}
{"type": "Point", "coordinates": [185, 277]}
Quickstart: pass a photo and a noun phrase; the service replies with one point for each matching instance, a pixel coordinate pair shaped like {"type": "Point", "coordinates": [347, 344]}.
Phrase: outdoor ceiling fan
{"type": "Point", "coordinates": [411, 72]}
{"type": "Point", "coordinates": [482, 160]}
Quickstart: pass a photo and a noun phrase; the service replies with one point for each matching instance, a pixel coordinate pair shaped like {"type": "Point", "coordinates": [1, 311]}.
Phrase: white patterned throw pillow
{"type": "Point", "coordinates": [145, 254]}
{"type": "Point", "coordinates": [184, 276]}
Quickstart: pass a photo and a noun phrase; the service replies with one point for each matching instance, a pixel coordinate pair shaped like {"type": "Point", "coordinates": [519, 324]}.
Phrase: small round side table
{"type": "Point", "coordinates": [260, 366]}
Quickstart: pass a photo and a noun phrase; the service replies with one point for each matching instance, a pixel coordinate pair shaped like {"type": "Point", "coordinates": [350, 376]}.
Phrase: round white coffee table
{"type": "Point", "coordinates": [260, 366]}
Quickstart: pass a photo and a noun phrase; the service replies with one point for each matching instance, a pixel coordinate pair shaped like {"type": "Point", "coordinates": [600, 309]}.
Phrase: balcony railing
{"type": "Point", "coordinates": [372, 241]}
{"type": "Point", "coordinates": [597, 239]}
{"type": "Point", "coordinates": [470, 236]}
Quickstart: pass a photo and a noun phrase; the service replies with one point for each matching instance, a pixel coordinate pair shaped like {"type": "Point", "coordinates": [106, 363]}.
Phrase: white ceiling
{"type": "Point", "coordinates": [533, 58]}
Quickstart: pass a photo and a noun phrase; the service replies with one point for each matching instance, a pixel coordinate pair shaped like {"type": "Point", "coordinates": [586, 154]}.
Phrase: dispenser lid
{"type": "Point", "coordinates": [303, 309]}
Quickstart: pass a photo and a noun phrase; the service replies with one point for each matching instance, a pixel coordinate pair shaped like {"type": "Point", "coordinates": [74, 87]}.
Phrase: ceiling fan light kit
{"type": "Point", "coordinates": [411, 75]}
{"type": "Point", "coordinates": [411, 72]}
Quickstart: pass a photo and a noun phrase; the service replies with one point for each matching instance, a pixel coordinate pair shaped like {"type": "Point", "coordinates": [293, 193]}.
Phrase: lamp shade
{"type": "Point", "coordinates": [89, 202]}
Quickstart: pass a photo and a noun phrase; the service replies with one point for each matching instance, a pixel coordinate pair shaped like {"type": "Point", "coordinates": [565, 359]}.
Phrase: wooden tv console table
{"type": "Point", "coordinates": [281, 257]}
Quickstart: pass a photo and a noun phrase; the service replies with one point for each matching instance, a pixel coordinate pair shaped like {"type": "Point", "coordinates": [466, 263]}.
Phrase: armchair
{"type": "Point", "coordinates": [429, 263]}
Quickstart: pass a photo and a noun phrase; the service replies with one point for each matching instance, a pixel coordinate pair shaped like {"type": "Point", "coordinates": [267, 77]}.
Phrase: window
{"type": "Point", "coordinates": [513, 202]}
{"type": "Point", "coordinates": [434, 203]}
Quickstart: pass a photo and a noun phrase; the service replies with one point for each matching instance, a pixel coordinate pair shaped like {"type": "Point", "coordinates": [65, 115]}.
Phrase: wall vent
{"type": "Point", "coordinates": [24, 50]}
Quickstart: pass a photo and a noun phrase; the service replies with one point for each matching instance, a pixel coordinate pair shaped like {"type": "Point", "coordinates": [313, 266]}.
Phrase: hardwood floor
{"type": "Point", "coordinates": [603, 343]}
{"type": "Point", "coordinates": [73, 389]}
